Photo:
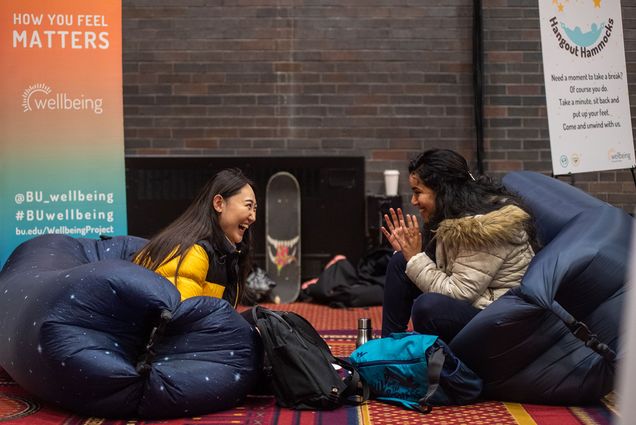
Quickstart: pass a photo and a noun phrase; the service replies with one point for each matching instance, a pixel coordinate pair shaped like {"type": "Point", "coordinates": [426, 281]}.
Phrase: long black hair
{"type": "Point", "coordinates": [200, 222]}
{"type": "Point", "coordinates": [458, 193]}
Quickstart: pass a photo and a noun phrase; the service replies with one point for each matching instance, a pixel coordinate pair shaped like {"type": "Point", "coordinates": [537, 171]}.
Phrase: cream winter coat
{"type": "Point", "coordinates": [478, 257]}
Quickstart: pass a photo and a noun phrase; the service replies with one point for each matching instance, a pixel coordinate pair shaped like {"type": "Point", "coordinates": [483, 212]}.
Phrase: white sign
{"type": "Point", "coordinates": [586, 85]}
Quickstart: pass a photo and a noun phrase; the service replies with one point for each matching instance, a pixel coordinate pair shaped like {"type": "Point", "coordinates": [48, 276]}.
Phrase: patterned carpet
{"type": "Point", "coordinates": [337, 326]}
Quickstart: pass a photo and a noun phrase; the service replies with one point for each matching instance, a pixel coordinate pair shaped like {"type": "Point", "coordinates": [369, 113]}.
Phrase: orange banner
{"type": "Point", "coordinates": [62, 146]}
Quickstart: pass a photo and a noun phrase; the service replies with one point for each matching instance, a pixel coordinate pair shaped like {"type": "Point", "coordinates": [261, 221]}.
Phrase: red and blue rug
{"type": "Point", "coordinates": [337, 326]}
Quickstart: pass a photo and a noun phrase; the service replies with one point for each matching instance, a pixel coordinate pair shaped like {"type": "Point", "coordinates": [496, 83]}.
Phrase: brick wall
{"type": "Point", "coordinates": [516, 122]}
{"type": "Point", "coordinates": [383, 79]}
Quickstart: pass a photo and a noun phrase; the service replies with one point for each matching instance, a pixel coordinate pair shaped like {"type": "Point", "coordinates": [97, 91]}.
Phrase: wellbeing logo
{"type": "Point", "coordinates": [40, 97]}
{"type": "Point", "coordinates": [617, 156]}
{"type": "Point", "coordinates": [582, 28]}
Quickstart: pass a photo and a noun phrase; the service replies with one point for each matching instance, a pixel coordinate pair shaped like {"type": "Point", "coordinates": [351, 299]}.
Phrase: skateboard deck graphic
{"type": "Point", "coordinates": [282, 232]}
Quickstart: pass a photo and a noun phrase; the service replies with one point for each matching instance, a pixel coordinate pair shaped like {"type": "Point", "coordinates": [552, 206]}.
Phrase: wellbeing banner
{"type": "Point", "coordinates": [586, 85]}
{"type": "Point", "coordinates": [61, 120]}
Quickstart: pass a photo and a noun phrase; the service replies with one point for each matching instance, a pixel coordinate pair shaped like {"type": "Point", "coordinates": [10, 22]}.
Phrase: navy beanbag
{"type": "Point", "coordinates": [554, 339]}
{"type": "Point", "coordinates": [84, 328]}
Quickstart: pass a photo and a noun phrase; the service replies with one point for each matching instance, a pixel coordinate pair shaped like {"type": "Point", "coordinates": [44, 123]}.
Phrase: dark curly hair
{"type": "Point", "coordinates": [458, 193]}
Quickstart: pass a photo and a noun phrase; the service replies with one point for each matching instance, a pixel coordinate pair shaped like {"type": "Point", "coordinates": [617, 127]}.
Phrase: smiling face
{"type": "Point", "coordinates": [423, 197]}
{"type": "Point", "coordinates": [236, 213]}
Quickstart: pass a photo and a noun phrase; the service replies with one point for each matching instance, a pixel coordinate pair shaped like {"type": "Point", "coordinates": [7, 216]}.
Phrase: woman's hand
{"type": "Point", "coordinates": [391, 234]}
{"type": "Point", "coordinates": [403, 234]}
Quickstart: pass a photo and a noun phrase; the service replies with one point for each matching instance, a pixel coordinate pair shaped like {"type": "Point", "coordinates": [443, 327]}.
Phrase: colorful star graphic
{"type": "Point", "coordinates": [561, 4]}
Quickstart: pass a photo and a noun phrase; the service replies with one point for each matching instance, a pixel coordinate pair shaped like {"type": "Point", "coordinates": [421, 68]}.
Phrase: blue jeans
{"type": "Point", "coordinates": [432, 313]}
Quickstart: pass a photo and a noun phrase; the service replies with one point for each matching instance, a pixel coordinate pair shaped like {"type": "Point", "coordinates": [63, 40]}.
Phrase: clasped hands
{"type": "Point", "coordinates": [403, 233]}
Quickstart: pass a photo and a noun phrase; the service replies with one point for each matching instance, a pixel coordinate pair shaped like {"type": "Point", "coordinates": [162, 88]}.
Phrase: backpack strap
{"type": "Point", "coordinates": [435, 364]}
{"type": "Point", "coordinates": [255, 311]}
{"type": "Point", "coordinates": [357, 391]}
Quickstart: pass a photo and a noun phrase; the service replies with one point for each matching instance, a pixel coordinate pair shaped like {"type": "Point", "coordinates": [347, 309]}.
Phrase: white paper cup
{"type": "Point", "coordinates": [391, 180]}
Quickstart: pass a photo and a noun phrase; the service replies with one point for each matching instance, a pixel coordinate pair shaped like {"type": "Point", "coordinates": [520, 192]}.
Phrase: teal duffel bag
{"type": "Point", "coordinates": [415, 371]}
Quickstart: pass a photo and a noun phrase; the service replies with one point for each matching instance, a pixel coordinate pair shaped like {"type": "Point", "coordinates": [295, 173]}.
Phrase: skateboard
{"type": "Point", "coordinates": [282, 232]}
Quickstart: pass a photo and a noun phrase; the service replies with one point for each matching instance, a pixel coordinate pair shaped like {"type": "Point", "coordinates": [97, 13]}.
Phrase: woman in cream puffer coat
{"type": "Point", "coordinates": [478, 242]}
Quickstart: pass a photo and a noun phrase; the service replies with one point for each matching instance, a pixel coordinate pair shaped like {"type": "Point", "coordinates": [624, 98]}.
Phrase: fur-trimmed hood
{"type": "Point", "coordinates": [505, 225]}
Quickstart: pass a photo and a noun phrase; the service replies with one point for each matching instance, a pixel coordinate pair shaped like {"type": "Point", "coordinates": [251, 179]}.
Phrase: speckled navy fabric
{"type": "Point", "coordinates": [76, 317]}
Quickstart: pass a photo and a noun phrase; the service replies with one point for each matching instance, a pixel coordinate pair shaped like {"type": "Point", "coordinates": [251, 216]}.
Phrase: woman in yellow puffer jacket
{"type": "Point", "coordinates": [206, 251]}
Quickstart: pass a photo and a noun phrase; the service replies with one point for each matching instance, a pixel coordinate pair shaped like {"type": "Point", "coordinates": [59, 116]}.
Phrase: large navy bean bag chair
{"type": "Point", "coordinates": [554, 339]}
{"type": "Point", "coordinates": [85, 329]}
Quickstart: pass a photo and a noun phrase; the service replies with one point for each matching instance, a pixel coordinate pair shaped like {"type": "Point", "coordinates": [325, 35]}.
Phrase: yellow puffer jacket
{"type": "Point", "coordinates": [197, 278]}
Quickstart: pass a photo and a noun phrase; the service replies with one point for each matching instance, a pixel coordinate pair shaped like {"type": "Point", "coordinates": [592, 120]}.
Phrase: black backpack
{"type": "Point", "coordinates": [300, 365]}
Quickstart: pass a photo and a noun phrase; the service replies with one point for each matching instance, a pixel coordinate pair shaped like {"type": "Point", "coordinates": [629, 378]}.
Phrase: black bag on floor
{"type": "Point", "coordinates": [342, 285]}
{"type": "Point", "coordinates": [303, 372]}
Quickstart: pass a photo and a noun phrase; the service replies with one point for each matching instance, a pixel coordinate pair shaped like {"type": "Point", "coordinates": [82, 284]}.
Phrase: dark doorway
{"type": "Point", "coordinates": [158, 189]}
